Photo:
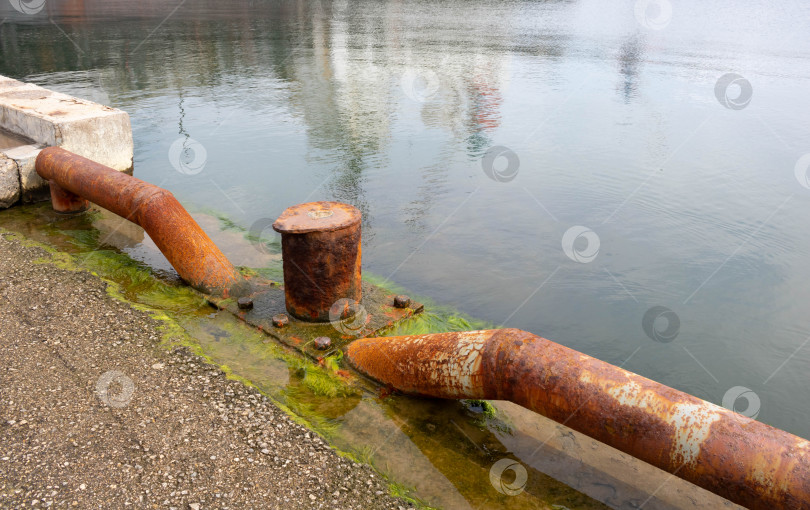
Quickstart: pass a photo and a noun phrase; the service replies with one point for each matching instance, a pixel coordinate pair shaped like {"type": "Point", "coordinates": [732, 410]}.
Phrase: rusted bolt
{"type": "Point", "coordinates": [280, 320]}
{"type": "Point", "coordinates": [322, 343]}
{"type": "Point", "coordinates": [245, 303]}
{"type": "Point", "coordinates": [320, 248]}
{"type": "Point", "coordinates": [402, 301]}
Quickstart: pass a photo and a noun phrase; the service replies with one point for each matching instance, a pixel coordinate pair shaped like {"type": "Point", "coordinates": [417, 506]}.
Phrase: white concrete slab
{"type": "Point", "coordinates": [46, 118]}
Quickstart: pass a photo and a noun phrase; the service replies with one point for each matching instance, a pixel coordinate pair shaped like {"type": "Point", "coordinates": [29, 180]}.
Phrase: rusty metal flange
{"type": "Point", "coordinates": [375, 313]}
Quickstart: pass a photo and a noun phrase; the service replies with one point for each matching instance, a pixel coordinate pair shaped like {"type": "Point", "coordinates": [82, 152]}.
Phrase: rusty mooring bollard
{"type": "Point", "coordinates": [320, 247]}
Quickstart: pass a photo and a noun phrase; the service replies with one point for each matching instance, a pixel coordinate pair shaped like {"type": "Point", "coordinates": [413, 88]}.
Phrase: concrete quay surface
{"type": "Point", "coordinates": [93, 414]}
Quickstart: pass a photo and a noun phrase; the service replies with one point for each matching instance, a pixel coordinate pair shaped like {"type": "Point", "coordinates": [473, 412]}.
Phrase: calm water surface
{"type": "Point", "coordinates": [606, 118]}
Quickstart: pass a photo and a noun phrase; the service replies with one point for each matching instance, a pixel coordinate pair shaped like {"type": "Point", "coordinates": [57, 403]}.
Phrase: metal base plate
{"type": "Point", "coordinates": [378, 313]}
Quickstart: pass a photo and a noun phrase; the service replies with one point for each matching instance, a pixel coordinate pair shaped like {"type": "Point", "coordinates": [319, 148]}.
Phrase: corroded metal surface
{"type": "Point", "coordinates": [377, 313]}
{"type": "Point", "coordinates": [743, 460]}
{"type": "Point", "coordinates": [190, 251]}
{"type": "Point", "coordinates": [320, 247]}
{"type": "Point", "coordinates": [317, 217]}
{"type": "Point", "coordinates": [65, 202]}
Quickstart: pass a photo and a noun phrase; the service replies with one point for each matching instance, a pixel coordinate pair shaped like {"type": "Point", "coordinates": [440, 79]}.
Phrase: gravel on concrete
{"type": "Point", "coordinates": [93, 414]}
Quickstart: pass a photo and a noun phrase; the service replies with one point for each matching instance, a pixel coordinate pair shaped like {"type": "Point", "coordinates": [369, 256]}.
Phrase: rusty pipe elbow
{"type": "Point", "coordinates": [186, 246]}
{"type": "Point", "coordinates": [189, 249]}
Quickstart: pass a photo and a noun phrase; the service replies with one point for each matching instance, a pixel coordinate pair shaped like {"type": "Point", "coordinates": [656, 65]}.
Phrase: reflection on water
{"type": "Point", "coordinates": [612, 114]}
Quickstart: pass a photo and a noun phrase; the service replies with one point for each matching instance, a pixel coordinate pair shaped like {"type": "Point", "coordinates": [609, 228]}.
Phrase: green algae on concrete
{"type": "Point", "coordinates": [135, 284]}
{"type": "Point", "coordinates": [354, 416]}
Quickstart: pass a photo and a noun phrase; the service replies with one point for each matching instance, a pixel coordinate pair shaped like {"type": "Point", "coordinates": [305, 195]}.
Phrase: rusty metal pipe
{"type": "Point", "coordinates": [190, 251]}
{"type": "Point", "coordinates": [738, 458]}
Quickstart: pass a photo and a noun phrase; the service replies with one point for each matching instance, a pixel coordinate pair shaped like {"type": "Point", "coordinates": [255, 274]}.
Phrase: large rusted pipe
{"type": "Point", "coordinates": [190, 251]}
{"type": "Point", "coordinates": [741, 459]}
{"type": "Point", "coordinates": [320, 249]}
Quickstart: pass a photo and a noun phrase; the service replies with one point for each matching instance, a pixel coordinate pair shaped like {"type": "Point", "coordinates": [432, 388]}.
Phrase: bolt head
{"type": "Point", "coordinates": [244, 303]}
{"type": "Point", "coordinates": [280, 320]}
{"type": "Point", "coordinates": [402, 301]}
{"type": "Point", "coordinates": [323, 342]}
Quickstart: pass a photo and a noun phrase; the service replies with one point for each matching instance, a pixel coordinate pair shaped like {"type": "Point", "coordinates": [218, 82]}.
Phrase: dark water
{"type": "Point", "coordinates": [622, 121]}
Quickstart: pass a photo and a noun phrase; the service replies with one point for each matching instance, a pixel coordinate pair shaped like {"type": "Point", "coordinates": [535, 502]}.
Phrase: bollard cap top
{"type": "Point", "coordinates": [317, 217]}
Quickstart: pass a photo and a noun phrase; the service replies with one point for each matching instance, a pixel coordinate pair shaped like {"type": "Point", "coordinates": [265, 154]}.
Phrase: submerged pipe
{"type": "Point", "coordinates": [187, 247]}
{"type": "Point", "coordinates": [738, 458]}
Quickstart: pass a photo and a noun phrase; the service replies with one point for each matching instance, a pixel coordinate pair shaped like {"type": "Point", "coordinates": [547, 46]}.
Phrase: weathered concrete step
{"type": "Point", "coordinates": [32, 117]}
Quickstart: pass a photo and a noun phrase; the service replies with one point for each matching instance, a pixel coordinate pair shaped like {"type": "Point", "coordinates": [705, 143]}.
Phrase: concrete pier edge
{"type": "Point", "coordinates": [32, 118]}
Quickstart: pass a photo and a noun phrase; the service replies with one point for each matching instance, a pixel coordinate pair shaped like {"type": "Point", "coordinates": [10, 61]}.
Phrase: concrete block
{"type": "Point", "coordinates": [48, 118]}
{"type": "Point", "coordinates": [9, 182]}
{"type": "Point", "coordinates": [33, 187]}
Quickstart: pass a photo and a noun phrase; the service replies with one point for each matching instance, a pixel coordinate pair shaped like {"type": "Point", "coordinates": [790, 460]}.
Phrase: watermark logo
{"type": "Point", "coordinates": [334, 9]}
{"type": "Point", "coordinates": [188, 156]}
{"type": "Point", "coordinates": [419, 84]}
{"type": "Point", "coordinates": [494, 169]}
{"type": "Point", "coordinates": [661, 324]}
{"type": "Point", "coordinates": [733, 91]}
{"type": "Point", "coordinates": [496, 477]}
{"type": "Point", "coordinates": [653, 14]}
{"type": "Point", "coordinates": [339, 7]}
{"type": "Point", "coordinates": [96, 91]}
{"type": "Point", "coordinates": [802, 166]}
{"type": "Point", "coordinates": [348, 316]}
{"type": "Point", "coordinates": [27, 6]}
{"type": "Point", "coordinates": [731, 401]}
{"type": "Point", "coordinates": [115, 389]}
{"type": "Point", "coordinates": [580, 244]}
{"type": "Point", "coordinates": [261, 235]}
